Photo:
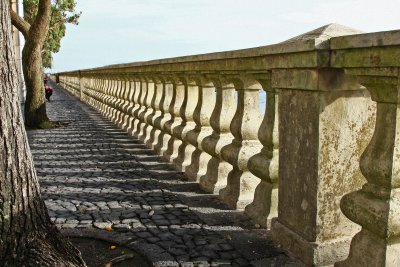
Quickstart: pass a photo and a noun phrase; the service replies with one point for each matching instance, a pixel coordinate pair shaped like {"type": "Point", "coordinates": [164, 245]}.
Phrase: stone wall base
{"type": "Point", "coordinates": [311, 253]}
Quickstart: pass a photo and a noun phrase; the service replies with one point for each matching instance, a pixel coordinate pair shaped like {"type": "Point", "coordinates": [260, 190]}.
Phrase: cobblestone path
{"type": "Point", "coordinates": [99, 182]}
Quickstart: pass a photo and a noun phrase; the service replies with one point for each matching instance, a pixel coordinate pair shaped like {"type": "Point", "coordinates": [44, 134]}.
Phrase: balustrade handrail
{"type": "Point", "coordinates": [293, 168]}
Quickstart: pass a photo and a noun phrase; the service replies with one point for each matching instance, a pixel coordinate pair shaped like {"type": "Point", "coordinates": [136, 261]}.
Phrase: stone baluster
{"type": "Point", "coordinates": [67, 83]}
{"type": "Point", "coordinates": [201, 117]}
{"type": "Point", "coordinates": [119, 101]}
{"type": "Point", "coordinates": [71, 85]}
{"type": "Point", "coordinates": [142, 101]}
{"type": "Point", "coordinates": [89, 90]}
{"type": "Point", "coordinates": [128, 104]}
{"type": "Point", "coordinates": [61, 80]}
{"type": "Point", "coordinates": [265, 164]}
{"type": "Point", "coordinates": [103, 84]}
{"type": "Point", "coordinates": [78, 85]}
{"type": "Point", "coordinates": [123, 123]}
{"type": "Point", "coordinates": [324, 124]}
{"type": "Point", "coordinates": [108, 95]}
{"type": "Point", "coordinates": [123, 106]}
{"type": "Point", "coordinates": [93, 88]}
{"type": "Point", "coordinates": [115, 98]}
{"type": "Point", "coordinates": [91, 81]}
{"type": "Point", "coordinates": [145, 128]}
{"type": "Point", "coordinates": [132, 103]}
{"type": "Point", "coordinates": [225, 105]}
{"type": "Point", "coordinates": [85, 83]}
{"type": "Point", "coordinates": [191, 96]}
{"type": "Point", "coordinates": [81, 85]}
{"type": "Point", "coordinates": [129, 94]}
{"type": "Point", "coordinates": [241, 183]}
{"type": "Point", "coordinates": [161, 143]}
{"type": "Point", "coordinates": [139, 106]}
{"type": "Point", "coordinates": [155, 116]}
{"type": "Point", "coordinates": [64, 82]}
{"type": "Point", "coordinates": [376, 207]}
{"type": "Point", "coordinates": [99, 102]}
{"type": "Point", "coordinates": [111, 96]}
{"type": "Point", "coordinates": [178, 95]}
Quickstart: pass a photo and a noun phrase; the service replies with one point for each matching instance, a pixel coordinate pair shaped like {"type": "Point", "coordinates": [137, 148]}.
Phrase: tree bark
{"type": "Point", "coordinates": [35, 104]}
{"type": "Point", "coordinates": [27, 236]}
{"type": "Point", "coordinates": [35, 36]}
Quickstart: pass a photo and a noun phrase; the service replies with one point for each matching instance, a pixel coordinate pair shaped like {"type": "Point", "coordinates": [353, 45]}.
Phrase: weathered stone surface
{"type": "Point", "coordinates": [321, 134]}
{"type": "Point", "coordinates": [376, 206]}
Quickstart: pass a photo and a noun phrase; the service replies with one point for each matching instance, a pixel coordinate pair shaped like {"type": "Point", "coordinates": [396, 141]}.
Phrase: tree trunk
{"type": "Point", "coordinates": [35, 104]}
{"type": "Point", "coordinates": [27, 236]}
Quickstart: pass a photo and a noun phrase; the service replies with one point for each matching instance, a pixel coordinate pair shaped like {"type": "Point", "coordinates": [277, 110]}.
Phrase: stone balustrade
{"type": "Point", "coordinates": [325, 143]}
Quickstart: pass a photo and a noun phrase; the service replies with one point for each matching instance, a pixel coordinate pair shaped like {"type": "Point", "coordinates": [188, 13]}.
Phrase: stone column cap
{"type": "Point", "coordinates": [321, 35]}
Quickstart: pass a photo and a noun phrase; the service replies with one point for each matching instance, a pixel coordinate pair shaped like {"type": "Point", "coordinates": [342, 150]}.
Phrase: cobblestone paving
{"type": "Point", "coordinates": [98, 181]}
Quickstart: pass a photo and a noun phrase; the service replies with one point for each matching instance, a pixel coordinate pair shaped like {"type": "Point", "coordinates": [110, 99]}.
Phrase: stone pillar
{"type": "Point", "coordinates": [265, 164]}
{"type": "Point", "coordinates": [132, 103]}
{"type": "Point", "coordinates": [324, 125]}
{"type": "Point", "coordinates": [108, 85]}
{"type": "Point", "coordinates": [178, 96]}
{"type": "Point", "coordinates": [167, 103]}
{"type": "Point", "coordinates": [201, 118]}
{"type": "Point", "coordinates": [225, 106]}
{"type": "Point", "coordinates": [127, 84]}
{"type": "Point", "coordinates": [152, 111]}
{"type": "Point", "coordinates": [189, 106]}
{"type": "Point", "coordinates": [155, 100]}
{"type": "Point", "coordinates": [376, 207]}
{"type": "Point", "coordinates": [141, 88]}
{"type": "Point", "coordinates": [119, 103]}
{"type": "Point", "coordinates": [81, 86]}
{"type": "Point", "coordinates": [125, 104]}
{"type": "Point", "coordinates": [241, 183]}
{"type": "Point", "coordinates": [92, 90]}
{"type": "Point", "coordinates": [104, 88]}
{"type": "Point", "coordinates": [159, 110]}
{"type": "Point", "coordinates": [114, 98]}
{"type": "Point", "coordinates": [191, 97]}
{"type": "Point", "coordinates": [145, 128]}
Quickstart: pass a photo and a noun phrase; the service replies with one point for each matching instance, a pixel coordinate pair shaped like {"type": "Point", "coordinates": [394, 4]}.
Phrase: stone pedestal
{"type": "Point", "coordinates": [324, 125]}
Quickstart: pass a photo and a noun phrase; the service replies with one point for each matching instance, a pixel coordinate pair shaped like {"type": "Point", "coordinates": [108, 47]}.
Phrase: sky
{"type": "Point", "coordinates": [123, 31]}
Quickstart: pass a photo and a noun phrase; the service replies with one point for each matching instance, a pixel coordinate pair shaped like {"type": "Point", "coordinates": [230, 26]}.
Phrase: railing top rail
{"type": "Point", "coordinates": [309, 50]}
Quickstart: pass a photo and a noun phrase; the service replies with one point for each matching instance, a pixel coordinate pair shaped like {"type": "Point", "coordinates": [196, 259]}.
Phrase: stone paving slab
{"type": "Point", "coordinates": [98, 181]}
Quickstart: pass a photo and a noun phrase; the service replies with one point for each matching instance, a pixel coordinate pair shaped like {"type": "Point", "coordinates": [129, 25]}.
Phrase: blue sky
{"type": "Point", "coordinates": [122, 31]}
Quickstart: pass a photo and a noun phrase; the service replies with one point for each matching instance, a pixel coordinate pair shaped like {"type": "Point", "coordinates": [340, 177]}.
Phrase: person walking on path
{"type": "Point", "coordinates": [48, 90]}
